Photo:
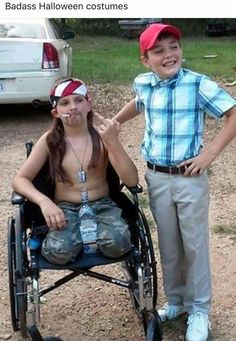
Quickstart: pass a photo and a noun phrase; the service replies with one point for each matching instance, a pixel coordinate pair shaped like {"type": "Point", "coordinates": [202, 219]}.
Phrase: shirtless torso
{"type": "Point", "coordinates": [96, 182]}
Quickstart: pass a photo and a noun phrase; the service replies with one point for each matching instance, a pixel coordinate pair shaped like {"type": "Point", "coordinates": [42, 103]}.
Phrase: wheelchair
{"type": "Point", "coordinates": [25, 264]}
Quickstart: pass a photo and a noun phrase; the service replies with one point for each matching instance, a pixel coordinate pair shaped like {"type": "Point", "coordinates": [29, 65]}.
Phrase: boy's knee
{"type": "Point", "coordinates": [60, 250]}
{"type": "Point", "coordinates": [114, 246]}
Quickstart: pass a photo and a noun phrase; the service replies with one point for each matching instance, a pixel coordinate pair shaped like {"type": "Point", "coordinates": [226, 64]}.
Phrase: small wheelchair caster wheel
{"type": "Point", "coordinates": [153, 326]}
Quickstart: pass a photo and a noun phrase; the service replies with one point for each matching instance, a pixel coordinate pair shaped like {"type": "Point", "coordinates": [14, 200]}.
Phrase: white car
{"type": "Point", "coordinates": [33, 55]}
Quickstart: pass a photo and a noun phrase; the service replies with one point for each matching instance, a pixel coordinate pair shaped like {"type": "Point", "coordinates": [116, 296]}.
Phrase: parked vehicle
{"type": "Point", "coordinates": [131, 28]}
{"type": "Point", "coordinates": [218, 28]}
{"type": "Point", "coordinates": [34, 53]}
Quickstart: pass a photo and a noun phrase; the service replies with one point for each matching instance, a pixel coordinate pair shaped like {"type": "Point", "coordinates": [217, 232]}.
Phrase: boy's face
{"type": "Point", "coordinates": [72, 109]}
{"type": "Point", "coordinates": [165, 58]}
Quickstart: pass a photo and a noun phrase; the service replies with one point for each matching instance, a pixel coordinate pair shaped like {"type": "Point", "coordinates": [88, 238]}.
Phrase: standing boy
{"type": "Point", "coordinates": [175, 102]}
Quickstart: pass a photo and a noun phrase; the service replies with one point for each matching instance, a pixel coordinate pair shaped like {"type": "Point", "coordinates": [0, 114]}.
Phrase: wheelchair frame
{"type": "Point", "coordinates": [25, 265]}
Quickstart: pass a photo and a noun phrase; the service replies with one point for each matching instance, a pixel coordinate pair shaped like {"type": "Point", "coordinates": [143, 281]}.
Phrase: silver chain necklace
{"type": "Point", "coordinates": [82, 175]}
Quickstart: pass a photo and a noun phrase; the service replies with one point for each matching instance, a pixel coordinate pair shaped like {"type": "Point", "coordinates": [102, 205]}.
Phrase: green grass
{"type": "Point", "coordinates": [116, 60]}
{"type": "Point", "coordinates": [106, 60]}
{"type": "Point", "coordinates": [223, 66]}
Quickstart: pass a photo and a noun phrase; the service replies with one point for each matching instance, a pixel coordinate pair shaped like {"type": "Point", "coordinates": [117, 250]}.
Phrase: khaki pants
{"type": "Point", "coordinates": [180, 208]}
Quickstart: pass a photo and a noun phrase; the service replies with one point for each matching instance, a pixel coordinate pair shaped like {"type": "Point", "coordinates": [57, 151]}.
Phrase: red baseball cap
{"type": "Point", "coordinates": [149, 36]}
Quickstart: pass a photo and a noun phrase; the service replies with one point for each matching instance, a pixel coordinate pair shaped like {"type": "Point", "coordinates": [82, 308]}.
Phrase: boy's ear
{"type": "Point", "coordinates": [54, 113]}
{"type": "Point", "coordinates": [144, 60]}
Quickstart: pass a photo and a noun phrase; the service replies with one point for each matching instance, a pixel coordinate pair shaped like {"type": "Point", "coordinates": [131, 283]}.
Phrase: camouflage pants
{"type": "Point", "coordinates": [113, 236]}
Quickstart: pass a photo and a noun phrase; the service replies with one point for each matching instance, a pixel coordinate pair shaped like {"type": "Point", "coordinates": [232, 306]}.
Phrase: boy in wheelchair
{"type": "Point", "coordinates": [78, 155]}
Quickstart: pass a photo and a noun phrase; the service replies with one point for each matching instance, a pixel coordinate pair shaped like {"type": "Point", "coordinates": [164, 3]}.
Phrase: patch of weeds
{"type": "Point", "coordinates": [226, 229]}
{"type": "Point", "coordinates": [175, 329]}
{"type": "Point", "coordinates": [144, 202]}
{"type": "Point", "coordinates": [210, 171]}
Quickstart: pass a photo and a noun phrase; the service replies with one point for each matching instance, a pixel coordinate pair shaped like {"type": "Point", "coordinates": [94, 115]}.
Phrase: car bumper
{"type": "Point", "coordinates": [28, 88]}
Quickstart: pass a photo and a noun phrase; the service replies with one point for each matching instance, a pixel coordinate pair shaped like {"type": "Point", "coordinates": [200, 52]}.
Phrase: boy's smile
{"type": "Point", "coordinates": [165, 58]}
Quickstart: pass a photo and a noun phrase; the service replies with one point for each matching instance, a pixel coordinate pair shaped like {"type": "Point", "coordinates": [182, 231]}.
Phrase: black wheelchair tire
{"type": "Point", "coordinates": [21, 283]}
{"type": "Point", "coordinates": [151, 255]}
{"type": "Point", "coordinates": [11, 273]}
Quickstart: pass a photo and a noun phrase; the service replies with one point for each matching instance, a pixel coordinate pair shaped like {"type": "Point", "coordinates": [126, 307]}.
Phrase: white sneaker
{"type": "Point", "coordinates": [170, 312]}
{"type": "Point", "coordinates": [198, 325]}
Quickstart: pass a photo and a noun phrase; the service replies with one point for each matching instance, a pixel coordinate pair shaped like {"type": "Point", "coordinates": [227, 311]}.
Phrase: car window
{"type": "Point", "coordinates": [22, 30]}
{"type": "Point", "coordinates": [53, 30]}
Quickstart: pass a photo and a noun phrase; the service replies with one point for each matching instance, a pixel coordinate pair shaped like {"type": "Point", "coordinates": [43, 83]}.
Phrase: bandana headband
{"type": "Point", "coordinates": [66, 88]}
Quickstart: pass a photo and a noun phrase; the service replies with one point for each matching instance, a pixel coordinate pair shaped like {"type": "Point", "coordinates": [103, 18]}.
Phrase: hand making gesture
{"type": "Point", "coordinates": [108, 129]}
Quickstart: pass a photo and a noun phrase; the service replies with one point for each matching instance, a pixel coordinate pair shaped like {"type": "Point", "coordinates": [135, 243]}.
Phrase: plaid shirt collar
{"type": "Point", "coordinates": [157, 81]}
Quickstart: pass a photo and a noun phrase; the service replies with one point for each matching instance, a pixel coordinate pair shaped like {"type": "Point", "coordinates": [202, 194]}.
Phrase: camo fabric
{"type": "Point", "coordinates": [113, 236]}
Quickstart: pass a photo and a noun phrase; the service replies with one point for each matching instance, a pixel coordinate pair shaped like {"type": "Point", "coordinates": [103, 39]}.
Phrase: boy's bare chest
{"type": "Point", "coordinates": [76, 162]}
{"type": "Point", "coordinates": [77, 158]}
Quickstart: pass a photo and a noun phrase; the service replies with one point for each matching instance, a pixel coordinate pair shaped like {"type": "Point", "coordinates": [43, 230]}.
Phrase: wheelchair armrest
{"type": "Point", "coordinates": [135, 190]}
{"type": "Point", "coordinates": [17, 199]}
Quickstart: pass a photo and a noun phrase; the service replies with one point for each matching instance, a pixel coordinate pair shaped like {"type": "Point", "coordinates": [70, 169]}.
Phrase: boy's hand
{"type": "Point", "coordinates": [197, 165]}
{"type": "Point", "coordinates": [108, 129]}
{"type": "Point", "coordinates": [53, 215]}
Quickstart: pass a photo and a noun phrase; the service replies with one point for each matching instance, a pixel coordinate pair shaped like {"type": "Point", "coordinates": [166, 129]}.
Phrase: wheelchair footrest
{"type": "Point", "coordinates": [36, 336]}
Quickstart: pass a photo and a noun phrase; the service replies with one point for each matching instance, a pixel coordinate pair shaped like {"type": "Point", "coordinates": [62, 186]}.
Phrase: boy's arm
{"type": "Point", "coordinates": [120, 160]}
{"type": "Point", "coordinates": [197, 165]}
{"type": "Point", "coordinates": [23, 184]}
{"type": "Point", "coordinates": [127, 112]}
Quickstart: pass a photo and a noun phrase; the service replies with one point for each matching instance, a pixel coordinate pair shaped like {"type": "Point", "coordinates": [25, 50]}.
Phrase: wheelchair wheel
{"type": "Point", "coordinates": [153, 327]}
{"type": "Point", "coordinates": [137, 287]}
{"type": "Point", "coordinates": [142, 270]}
{"type": "Point", "coordinates": [150, 255]}
{"type": "Point", "coordinates": [17, 281]}
{"type": "Point", "coordinates": [12, 272]}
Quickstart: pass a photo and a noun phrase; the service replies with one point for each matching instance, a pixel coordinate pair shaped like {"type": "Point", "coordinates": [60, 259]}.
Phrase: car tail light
{"type": "Point", "coordinates": [50, 57]}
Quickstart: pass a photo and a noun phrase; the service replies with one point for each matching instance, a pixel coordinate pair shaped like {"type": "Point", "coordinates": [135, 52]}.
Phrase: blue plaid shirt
{"type": "Point", "coordinates": [175, 111]}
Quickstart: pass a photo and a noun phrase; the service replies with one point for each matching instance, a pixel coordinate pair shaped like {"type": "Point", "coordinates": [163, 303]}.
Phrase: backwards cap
{"type": "Point", "coordinates": [149, 36]}
{"type": "Point", "coordinates": [66, 88]}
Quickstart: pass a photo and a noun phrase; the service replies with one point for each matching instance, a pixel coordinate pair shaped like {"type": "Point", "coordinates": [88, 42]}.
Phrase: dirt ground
{"type": "Point", "coordinates": [87, 309]}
